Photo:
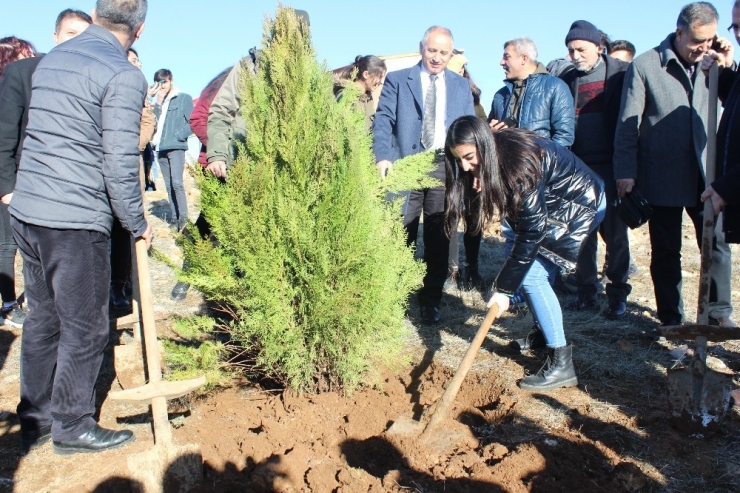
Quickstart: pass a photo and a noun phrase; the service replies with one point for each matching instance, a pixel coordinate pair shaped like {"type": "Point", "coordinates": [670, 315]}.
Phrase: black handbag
{"type": "Point", "coordinates": [634, 209]}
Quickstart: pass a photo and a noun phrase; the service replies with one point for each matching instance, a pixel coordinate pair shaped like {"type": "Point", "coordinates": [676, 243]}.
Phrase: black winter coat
{"type": "Point", "coordinates": [15, 99]}
{"type": "Point", "coordinates": [555, 218]}
{"type": "Point", "coordinates": [727, 172]}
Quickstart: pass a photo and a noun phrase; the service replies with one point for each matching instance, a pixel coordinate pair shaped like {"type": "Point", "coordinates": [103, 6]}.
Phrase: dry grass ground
{"type": "Point", "coordinates": [611, 433]}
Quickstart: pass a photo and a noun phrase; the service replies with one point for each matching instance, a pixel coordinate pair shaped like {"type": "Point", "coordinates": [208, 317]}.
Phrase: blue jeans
{"type": "Point", "coordinates": [172, 164]}
{"type": "Point", "coordinates": [537, 288]}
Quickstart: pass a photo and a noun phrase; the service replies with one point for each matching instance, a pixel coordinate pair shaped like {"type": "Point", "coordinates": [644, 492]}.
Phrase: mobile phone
{"type": "Point", "coordinates": [715, 44]}
{"type": "Point", "coordinates": [511, 122]}
{"type": "Point", "coordinates": [161, 81]}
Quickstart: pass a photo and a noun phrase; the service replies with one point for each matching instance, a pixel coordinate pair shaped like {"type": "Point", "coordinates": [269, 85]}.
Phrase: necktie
{"type": "Point", "coordinates": [430, 109]}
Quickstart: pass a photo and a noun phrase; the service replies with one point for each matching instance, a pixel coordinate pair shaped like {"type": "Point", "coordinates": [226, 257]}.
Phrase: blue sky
{"type": "Point", "coordinates": [196, 39]}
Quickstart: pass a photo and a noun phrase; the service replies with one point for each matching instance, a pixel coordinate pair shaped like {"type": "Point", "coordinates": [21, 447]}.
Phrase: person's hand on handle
{"type": "Point", "coordinates": [717, 201]}
{"type": "Point", "coordinates": [722, 53]}
{"type": "Point", "coordinates": [147, 235]}
{"type": "Point", "coordinates": [499, 299]}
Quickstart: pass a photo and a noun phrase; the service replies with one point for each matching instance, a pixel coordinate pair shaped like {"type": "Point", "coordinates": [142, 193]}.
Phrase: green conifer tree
{"type": "Point", "coordinates": [311, 261]}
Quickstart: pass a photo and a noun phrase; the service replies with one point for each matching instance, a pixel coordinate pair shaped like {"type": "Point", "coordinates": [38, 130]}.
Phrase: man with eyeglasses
{"type": "Point", "coordinates": [724, 192]}
{"type": "Point", "coordinates": [660, 147]}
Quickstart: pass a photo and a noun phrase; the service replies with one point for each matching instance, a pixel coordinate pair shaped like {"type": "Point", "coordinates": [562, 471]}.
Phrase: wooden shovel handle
{"type": "Point", "coordinates": [445, 402]}
{"type": "Point", "coordinates": [702, 312]}
{"type": "Point", "coordinates": [154, 369]}
{"type": "Point", "coordinates": [162, 431]}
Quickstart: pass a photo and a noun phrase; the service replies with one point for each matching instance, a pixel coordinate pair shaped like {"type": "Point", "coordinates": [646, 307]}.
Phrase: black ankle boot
{"type": "Point", "coordinates": [557, 372]}
{"type": "Point", "coordinates": [473, 280]}
{"type": "Point", "coordinates": [119, 302]}
{"type": "Point", "coordinates": [534, 340]}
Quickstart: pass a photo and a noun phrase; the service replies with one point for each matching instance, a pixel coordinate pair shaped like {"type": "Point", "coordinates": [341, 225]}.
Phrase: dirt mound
{"type": "Point", "coordinates": [611, 433]}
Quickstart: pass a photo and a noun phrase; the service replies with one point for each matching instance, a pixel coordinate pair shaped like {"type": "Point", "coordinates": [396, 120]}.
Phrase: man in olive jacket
{"type": "Point", "coordinates": [79, 168]}
{"type": "Point", "coordinates": [660, 147]}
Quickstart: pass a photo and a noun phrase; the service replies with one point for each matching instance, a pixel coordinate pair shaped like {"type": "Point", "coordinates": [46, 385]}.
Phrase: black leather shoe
{"type": "Point", "coordinates": [616, 309]}
{"type": "Point", "coordinates": [119, 302]}
{"type": "Point", "coordinates": [179, 291]}
{"type": "Point", "coordinates": [95, 440]}
{"type": "Point", "coordinates": [31, 439]}
{"type": "Point", "coordinates": [533, 341]}
{"type": "Point", "coordinates": [430, 314]}
{"type": "Point", "coordinates": [581, 304]}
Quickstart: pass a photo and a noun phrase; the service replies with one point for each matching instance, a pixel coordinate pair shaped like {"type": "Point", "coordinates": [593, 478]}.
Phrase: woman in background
{"type": "Point", "coordinates": [368, 73]}
{"type": "Point", "coordinates": [199, 126]}
{"type": "Point", "coordinates": [13, 49]}
{"type": "Point", "coordinates": [11, 312]}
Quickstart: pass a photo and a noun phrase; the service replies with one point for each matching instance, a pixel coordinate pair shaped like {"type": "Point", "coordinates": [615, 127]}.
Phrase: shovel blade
{"type": "Point", "coordinates": [705, 413]}
{"type": "Point", "coordinates": [406, 426]}
{"type": "Point", "coordinates": [170, 467]}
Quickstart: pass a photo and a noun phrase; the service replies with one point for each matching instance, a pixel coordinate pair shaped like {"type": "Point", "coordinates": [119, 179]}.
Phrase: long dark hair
{"type": "Point", "coordinates": [473, 88]}
{"type": "Point", "coordinates": [374, 65]}
{"type": "Point", "coordinates": [510, 162]}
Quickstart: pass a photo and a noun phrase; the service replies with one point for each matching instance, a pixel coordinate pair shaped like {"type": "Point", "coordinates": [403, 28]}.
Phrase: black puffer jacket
{"type": "Point", "coordinates": [555, 217]}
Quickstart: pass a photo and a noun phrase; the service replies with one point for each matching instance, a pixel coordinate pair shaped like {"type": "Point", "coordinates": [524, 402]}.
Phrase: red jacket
{"type": "Point", "coordinates": [199, 122]}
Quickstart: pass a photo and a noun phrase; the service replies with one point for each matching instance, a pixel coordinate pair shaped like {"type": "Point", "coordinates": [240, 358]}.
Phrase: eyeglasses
{"type": "Point", "coordinates": [734, 28]}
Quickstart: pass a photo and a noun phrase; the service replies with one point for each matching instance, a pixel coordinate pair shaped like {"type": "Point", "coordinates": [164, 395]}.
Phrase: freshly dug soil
{"type": "Point", "coordinates": [611, 433]}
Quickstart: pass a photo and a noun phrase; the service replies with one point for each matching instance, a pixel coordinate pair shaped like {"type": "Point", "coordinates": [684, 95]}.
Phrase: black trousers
{"type": "Point", "coordinates": [665, 264]}
{"type": "Point", "coordinates": [472, 240]}
{"type": "Point", "coordinates": [120, 253]}
{"type": "Point", "coordinates": [614, 232]}
{"type": "Point", "coordinates": [431, 203]}
{"type": "Point", "coordinates": [7, 256]}
{"type": "Point", "coordinates": [67, 276]}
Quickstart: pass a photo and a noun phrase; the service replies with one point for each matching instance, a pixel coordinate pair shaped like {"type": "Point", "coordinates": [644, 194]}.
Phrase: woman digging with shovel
{"type": "Point", "coordinates": [551, 199]}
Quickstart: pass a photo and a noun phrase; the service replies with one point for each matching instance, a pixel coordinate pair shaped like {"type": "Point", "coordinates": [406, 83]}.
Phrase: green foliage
{"type": "Point", "coordinates": [186, 361]}
{"type": "Point", "coordinates": [311, 261]}
{"type": "Point", "coordinates": [411, 173]}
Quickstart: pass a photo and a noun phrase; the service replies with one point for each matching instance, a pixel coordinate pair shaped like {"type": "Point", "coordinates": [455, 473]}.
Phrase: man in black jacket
{"type": "Point", "coordinates": [724, 192]}
{"type": "Point", "coordinates": [596, 85]}
{"type": "Point", "coordinates": [15, 99]}
{"type": "Point", "coordinates": [79, 167]}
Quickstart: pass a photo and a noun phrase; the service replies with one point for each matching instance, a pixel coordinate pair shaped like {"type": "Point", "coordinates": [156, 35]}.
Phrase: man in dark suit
{"type": "Point", "coordinates": [415, 108]}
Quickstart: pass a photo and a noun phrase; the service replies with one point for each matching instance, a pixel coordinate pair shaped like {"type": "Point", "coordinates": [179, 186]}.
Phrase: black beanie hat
{"type": "Point", "coordinates": [583, 30]}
